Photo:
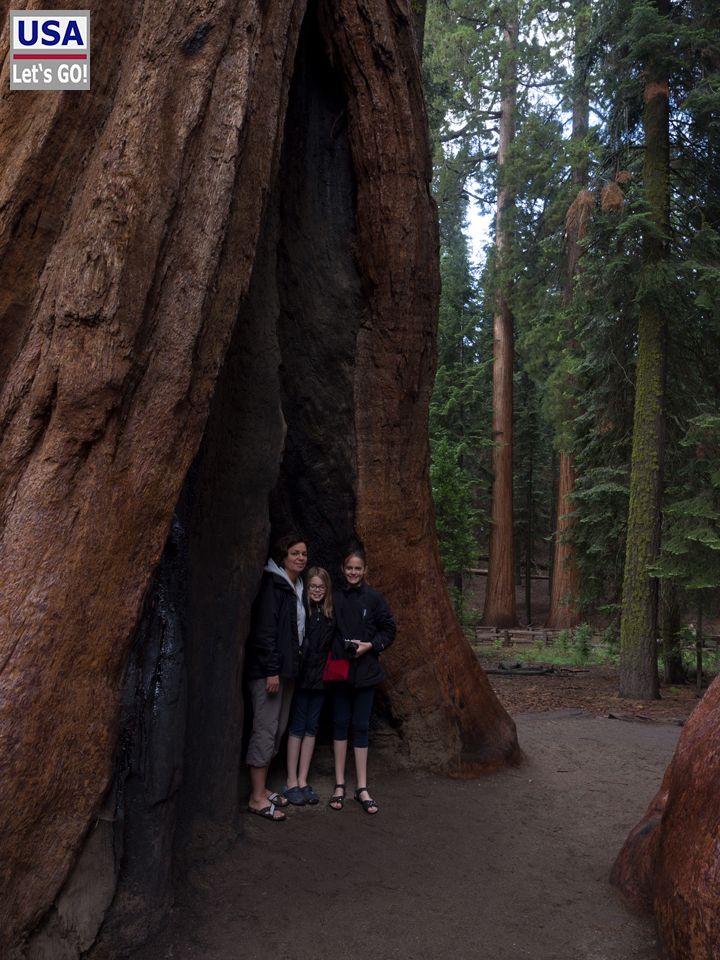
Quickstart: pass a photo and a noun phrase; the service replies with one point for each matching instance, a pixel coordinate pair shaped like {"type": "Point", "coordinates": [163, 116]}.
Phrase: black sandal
{"type": "Point", "coordinates": [366, 804]}
{"type": "Point", "coordinates": [340, 800]}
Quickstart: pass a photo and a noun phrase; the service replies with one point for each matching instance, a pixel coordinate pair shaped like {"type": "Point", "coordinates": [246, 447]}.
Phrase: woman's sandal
{"type": "Point", "coordinates": [366, 804]}
{"type": "Point", "coordinates": [278, 799]}
{"type": "Point", "coordinates": [268, 813]}
{"type": "Point", "coordinates": [336, 803]}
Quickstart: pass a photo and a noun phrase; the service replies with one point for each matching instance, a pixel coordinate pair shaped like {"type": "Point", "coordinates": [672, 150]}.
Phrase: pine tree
{"type": "Point", "coordinates": [690, 557]}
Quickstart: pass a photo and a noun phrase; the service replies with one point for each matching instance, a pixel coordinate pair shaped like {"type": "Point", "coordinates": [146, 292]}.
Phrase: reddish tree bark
{"type": "Point", "coordinates": [145, 250]}
{"type": "Point", "coordinates": [564, 611]}
{"type": "Point", "coordinates": [565, 579]}
{"type": "Point", "coordinates": [670, 862]}
{"type": "Point", "coordinates": [499, 607]}
{"type": "Point", "coordinates": [133, 242]}
{"type": "Point", "coordinates": [394, 508]}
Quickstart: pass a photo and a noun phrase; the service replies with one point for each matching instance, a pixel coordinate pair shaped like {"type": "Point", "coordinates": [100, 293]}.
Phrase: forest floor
{"type": "Point", "coordinates": [512, 866]}
{"type": "Point", "coordinates": [592, 688]}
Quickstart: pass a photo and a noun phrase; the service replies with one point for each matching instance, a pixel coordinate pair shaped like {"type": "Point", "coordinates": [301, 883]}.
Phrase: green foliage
{"type": "Point", "coordinates": [532, 470]}
{"type": "Point", "coordinates": [691, 541]}
{"type": "Point", "coordinates": [570, 648]}
{"type": "Point", "coordinates": [563, 641]}
{"type": "Point", "coordinates": [576, 349]}
{"type": "Point", "coordinates": [467, 616]}
{"type": "Point", "coordinates": [574, 646]}
{"type": "Point", "coordinates": [614, 279]}
{"type": "Point", "coordinates": [455, 514]}
{"type": "Point", "coordinates": [611, 637]}
{"type": "Point", "coordinates": [582, 642]}
{"type": "Point", "coordinates": [459, 408]}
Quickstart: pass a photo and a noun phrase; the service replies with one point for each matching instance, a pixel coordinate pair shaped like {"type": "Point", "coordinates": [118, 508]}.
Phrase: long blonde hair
{"type": "Point", "coordinates": [321, 572]}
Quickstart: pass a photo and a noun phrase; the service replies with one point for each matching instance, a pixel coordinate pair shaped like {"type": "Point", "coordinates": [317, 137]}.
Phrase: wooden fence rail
{"type": "Point", "coordinates": [530, 636]}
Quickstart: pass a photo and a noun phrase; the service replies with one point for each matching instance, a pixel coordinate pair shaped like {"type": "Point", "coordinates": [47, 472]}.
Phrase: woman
{"type": "Point", "coordinates": [309, 693]}
{"type": "Point", "coordinates": [273, 661]}
{"type": "Point", "coordinates": [365, 628]}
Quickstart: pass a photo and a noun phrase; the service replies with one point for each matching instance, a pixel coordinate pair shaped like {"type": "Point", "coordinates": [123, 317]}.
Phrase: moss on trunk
{"type": "Point", "coordinates": [638, 627]}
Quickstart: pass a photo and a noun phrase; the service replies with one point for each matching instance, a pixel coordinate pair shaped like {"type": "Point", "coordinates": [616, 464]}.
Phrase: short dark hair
{"type": "Point", "coordinates": [281, 547]}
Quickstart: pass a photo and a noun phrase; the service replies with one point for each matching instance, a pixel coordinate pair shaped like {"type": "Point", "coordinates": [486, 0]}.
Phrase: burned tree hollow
{"type": "Point", "coordinates": [261, 358]}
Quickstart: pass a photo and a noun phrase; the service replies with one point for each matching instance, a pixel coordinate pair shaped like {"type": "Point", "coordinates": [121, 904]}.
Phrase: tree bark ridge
{"type": "Point", "coordinates": [461, 727]}
{"type": "Point", "coordinates": [104, 408]}
{"type": "Point", "coordinates": [669, 863]}
{"type": "Point", "coordinates": [109, 382]}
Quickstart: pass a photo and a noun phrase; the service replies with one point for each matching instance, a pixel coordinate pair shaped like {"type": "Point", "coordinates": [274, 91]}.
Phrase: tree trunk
{"type": "Point", "coordinates": [499, 610]}
{"type": "Point", "coordinates": [638, 625]}
{"type": "Point", "coordinates": [394, 514]}
{"type": "Point", "coordinates": [159, 279]}
{"type": "Point", "coordinates": [564, 611]}
{"type": "Point", "coordinates": [419, 11]}
{"type": "Point", "coordinates": [138, 216]}
{"type": "Point", "coordinates": [529, 506]}
{"type": "Point", "coordinates": [669, 863]}
{"type": "Point", "coordinates": [565, 579]}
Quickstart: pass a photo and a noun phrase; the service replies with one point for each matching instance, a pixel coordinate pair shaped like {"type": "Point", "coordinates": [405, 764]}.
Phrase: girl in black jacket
{"type": "Point", "coordinates": [309, 692]}
{"type": "Point", "coordinates": [365, 627]}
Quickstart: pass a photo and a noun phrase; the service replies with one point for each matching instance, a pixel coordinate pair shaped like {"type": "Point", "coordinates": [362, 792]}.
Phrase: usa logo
{"type": "Point", "coordinates": [50, 50]}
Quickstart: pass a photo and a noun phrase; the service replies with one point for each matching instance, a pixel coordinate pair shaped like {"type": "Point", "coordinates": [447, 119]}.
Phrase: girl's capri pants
{"type": "Point", "coordinates": [352, 708]}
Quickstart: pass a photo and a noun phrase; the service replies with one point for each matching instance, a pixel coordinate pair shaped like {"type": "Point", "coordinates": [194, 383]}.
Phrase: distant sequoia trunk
{"type": "Point", "coordinates": [499, 610]}
{"type": "Point", "coordinates": [564, 609]}
{"type": "Point", "coordinates": [218, 294]}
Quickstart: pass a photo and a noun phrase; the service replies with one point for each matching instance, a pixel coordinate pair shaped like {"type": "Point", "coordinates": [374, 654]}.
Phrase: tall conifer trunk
{"type": "Point", "coordinates": [419, 11]}
{"type": "Point", "coordinates": [565, 582]}
{"type": "Point", "coordinates": [500, 596]}
{"type": "Point", "coordinates": [638, 626]}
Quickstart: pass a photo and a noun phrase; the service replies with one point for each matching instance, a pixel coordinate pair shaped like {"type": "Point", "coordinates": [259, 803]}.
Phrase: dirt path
{"type": "Point", "coordinates": [510, 867]}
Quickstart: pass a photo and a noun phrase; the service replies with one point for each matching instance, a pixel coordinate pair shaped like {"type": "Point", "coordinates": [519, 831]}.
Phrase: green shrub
{"type": "Point", "coordinates": [582, 642]}
{"type": "Point", "coordinates": [611, 637]}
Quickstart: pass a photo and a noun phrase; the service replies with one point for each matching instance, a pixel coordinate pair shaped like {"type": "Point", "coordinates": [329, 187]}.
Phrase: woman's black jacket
{"type": "Point", "coordinates": [273, 648]}
{"type": "Point", "coordinates": [362, 613]}
{"type": "Point", "coordinates": [319, 632]}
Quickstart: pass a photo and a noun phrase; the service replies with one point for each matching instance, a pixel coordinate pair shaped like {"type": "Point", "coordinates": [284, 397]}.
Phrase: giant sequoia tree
{"type": "Point", "coordinates": [669, 864]}
{"type": "Point", "coordinates": [564, 581]}
{"type": "Point", "coordinates": [219, 288]}
{"type": "Point", "coordinates": [499, 607]}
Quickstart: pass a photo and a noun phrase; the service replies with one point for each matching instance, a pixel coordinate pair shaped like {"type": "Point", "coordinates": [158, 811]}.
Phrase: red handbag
{"type": "Point", "coordinates": [335, 669]}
